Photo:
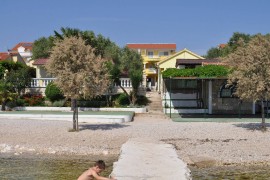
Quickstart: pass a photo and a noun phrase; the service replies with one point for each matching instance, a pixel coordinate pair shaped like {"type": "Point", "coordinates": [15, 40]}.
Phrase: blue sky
{"type": "Point", "coordinates": [194, 24]}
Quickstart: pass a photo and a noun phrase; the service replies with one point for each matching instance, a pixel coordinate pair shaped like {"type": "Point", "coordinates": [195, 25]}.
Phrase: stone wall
{"type": "Point", "coordinates": [228, 105]}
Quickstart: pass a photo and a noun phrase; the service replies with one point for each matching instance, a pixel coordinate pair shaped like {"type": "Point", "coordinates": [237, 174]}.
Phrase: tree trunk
{"type": "Point", "coordinates": [72, 104]}
{"type": "Point", "coordinates": [134, 97]}
{"type": "Point", "coordinates": [263, 115]}
{"type": "Point", "coordinates": [75, 115]}
{"type": "Point", "coordinates": [3, 108]}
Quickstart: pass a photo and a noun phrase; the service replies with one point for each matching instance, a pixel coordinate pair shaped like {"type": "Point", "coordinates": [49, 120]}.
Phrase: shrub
{"type": "Point", "coordinates": [20, 102]}
{"type": "Point", "coordinates": [11, 104]}
{"type": "Point", "coordinates": [142, 100]}
{"type": "Point", "coordinates": [202, 71]}
{"type": "Point", "coordinates": [93, 103]}
{"type": "Point", "coordinates": [34, 100]}
{"type": "Point", "coordinates": [122, 100]}
{"type": "Point", "coordinates": [59, 103]}
{"type": "Point", "coordinates": [53, 93]}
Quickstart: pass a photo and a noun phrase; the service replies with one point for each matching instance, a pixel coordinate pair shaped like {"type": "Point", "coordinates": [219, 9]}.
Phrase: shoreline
{"type": "Point", "coordinates": [203, 144]}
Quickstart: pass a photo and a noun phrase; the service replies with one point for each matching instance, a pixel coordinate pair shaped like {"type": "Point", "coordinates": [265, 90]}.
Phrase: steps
{"type": "Point", "coordinates": [155, 101]}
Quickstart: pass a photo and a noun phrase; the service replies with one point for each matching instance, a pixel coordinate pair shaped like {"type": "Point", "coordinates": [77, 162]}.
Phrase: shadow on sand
{"type": "Point", "coordinates": [253, 126]}
{"type": "Point", "coordinates": [104, 127]}
{"type": "Point", "coordinates": [214, 116]}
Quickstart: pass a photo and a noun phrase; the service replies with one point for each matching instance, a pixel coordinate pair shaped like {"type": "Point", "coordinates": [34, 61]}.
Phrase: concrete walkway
{"type": "Point", "coordinates": [146, 159]}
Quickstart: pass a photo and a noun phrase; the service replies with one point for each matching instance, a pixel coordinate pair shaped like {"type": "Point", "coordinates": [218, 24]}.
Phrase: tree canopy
{"type": "Point", "coordinates": [229, 47]}
{"type": "Point", "coordinates": [251, 73]}
{"type": "Point", "coordinates": [78, 70]}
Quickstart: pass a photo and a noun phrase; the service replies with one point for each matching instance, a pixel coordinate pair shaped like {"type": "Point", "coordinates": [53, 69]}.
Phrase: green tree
{"type": "Point", "coordinates": [19, 80]}
{"type": "Point", "coordinates": [79, 72]}
{"type": "Point", "coordinates": [251, 73]}
{"type": "Point", "coordinates": [231, 46]}
{"type": "Point", "coordinates": [99, 42]}
{"type": "Point", "coordinates": [42, 47]}
{"type": "Point", "coordinates": [14, 78]}
{"type": "Point", "coordinates": [132, 64]}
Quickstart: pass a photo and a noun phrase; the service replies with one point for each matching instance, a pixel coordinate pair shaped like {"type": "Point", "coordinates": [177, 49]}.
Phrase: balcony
{"type": "Point", "coordinates": [38, 85]}
{"type": "Point", "coordinates": [153, 58]}
{"type": "Point", "coordinates": [150, 71]}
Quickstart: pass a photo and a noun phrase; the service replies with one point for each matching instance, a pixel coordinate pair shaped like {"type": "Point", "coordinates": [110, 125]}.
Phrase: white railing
{"type": "Point", "coordinates": [126, 82]}
{"type": "Point", "coordinates": [43, 82]}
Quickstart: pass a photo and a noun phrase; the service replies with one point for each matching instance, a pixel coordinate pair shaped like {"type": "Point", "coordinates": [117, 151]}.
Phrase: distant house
{"type": "Point", "coordinates": [152, 53]}
{"type": "Point", "coordinates": [14, 56]}
{"type": "Point", "coordinates": [39, 64]}
{"type": "Point", "coordinates": [24, 49]}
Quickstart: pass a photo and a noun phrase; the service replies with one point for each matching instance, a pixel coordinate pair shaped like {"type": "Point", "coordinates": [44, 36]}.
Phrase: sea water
{"type": "Point", "coordinates": [46, 167]}
{"type": "Point", "coordinates": [54, 167]}
{"type": "Point", "coordinates": [257, 172]}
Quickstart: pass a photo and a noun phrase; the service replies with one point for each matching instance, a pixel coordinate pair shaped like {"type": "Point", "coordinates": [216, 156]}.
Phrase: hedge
{"type": "Point", "coordinates": [208, 71]}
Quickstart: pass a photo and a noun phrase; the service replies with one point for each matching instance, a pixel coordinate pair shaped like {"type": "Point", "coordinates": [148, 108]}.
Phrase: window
{"type": "Point", "coordinates": [227, 91]}
{"type": "Point", "coordinates": [163, 53]}
{"type": "Point", "coordinates": [150, 54]}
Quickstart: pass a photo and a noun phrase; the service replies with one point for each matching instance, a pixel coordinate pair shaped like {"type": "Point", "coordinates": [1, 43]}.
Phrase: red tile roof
{"type": "Point", "coordinates": [26, 45]}
{"type": "Point", "coordinates": [222, 46]}
{"type": "Point", "coordinates": [3, 56]}
{"type": "Point", "coordinates": [151, 46]}
{"type": "Point", "coordinates": [40, 61]}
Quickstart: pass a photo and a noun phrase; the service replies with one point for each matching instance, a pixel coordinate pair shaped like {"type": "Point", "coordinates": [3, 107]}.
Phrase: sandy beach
{"type": "Point", "coordinates": [208, 142]}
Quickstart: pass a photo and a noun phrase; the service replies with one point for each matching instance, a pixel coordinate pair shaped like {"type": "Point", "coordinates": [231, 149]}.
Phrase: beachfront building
{"type": "Point", "coordinates": [169, 62]}
{"type": "Point", "coordinates": [38, 84]}
{"type": "Point", "coordinates": [152, 53]}
{"type": "Point", "coordinates": [184, 95]}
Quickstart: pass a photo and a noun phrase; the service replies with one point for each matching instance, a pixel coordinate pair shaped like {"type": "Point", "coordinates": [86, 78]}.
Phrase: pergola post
{"type": "Point", "coordinates": [210, 97]}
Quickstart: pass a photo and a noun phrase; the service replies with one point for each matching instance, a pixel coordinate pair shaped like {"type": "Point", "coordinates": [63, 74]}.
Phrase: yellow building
{"type": "Point", "coordinates": [152, 54]}
{"type": "Point", "coordinates": [170, 62]}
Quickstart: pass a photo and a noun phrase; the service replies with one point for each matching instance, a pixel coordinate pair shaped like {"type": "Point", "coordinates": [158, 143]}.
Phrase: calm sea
{"type": "Point", "coordinates": [51, 167]}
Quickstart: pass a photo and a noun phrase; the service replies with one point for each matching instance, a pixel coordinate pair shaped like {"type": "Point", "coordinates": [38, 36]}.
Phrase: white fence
{"type": "Point", "coordinates": [43, 82]}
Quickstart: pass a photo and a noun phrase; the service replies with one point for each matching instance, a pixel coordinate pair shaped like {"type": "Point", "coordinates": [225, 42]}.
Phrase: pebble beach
{"type": "Point", "coordinates": [196, 143]}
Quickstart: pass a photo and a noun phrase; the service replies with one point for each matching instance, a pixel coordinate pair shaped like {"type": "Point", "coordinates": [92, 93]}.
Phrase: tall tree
{"type": "Point", "coordinates": [99, 42]}
{"type": "Point", "coordinates": [132, 64]}
{"type": "Point", "coordinates": [14, 78]}
{"type": "Point", "coordinates": [78, 70]}
{"type": "Point", "coordinates": [230, 47]}
{"type": "Point", "coordinates": [251, 73]}
{"type": "Point", "coordinates": [42, 47]}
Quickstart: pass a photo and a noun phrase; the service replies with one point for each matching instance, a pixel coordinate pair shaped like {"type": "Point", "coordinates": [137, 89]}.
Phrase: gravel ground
{"type": "Point", "coordinates": [222, 143]}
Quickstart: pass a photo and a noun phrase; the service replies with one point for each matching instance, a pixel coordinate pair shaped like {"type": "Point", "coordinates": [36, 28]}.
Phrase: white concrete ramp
{"type": "Point", "coordinates": [145, 159]}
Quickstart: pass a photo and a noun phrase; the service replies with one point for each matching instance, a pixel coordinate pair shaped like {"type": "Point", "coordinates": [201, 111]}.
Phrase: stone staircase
{"type": "Point", "coordinates": [155, 108]}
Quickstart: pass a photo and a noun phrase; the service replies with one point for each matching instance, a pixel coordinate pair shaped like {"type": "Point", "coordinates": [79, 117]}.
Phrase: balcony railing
{"type": "Point", "coordinates": [43, 82]}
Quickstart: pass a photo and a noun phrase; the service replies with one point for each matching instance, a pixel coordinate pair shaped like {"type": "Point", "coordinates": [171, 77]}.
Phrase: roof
{"type": "Point", "coordinates": [4, 55]}
{"type": "Point", "coordinates": [26, 45]}
{"type": "Point", "coordinates": [196, 61]}
{"type": "Point", "coordinates": [152, 46]}
{"type": "Point", "coordinates": [178, 53]}
{"type": "Point", "coordinates": [222, 46]}
{"type": "Point", "coordinates": [42, 61]}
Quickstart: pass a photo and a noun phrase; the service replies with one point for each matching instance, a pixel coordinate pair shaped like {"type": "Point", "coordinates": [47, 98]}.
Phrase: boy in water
{"type": "Point", "coordinates": [93, 172]}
